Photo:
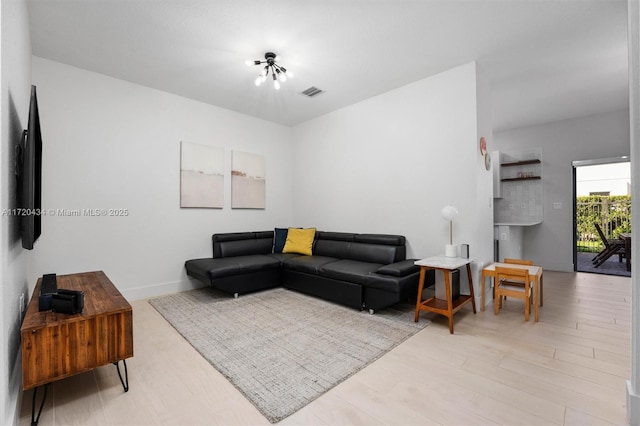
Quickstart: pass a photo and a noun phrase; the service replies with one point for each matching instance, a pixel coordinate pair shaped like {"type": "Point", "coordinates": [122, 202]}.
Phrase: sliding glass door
{"type": "Point", "coordinates": [602, 212]}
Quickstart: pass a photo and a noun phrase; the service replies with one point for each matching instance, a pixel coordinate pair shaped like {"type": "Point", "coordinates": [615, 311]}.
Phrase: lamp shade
{"type": "Point", "coordinates": [449, 212]}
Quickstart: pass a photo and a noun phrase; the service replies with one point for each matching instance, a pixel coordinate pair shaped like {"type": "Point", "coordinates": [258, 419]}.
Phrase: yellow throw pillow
{"type": "Point", "coordinates": [299, 241]}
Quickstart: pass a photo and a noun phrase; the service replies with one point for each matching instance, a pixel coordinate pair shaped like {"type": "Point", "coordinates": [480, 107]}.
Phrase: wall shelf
{"type": "Point", "coordinates": [520, 163]}
{"type": "Point", "coordinates": [520, 189]}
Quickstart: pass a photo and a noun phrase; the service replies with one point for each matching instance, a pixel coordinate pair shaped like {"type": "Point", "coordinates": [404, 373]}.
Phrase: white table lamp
{"type": "Point", "coordinates": [449, 213]}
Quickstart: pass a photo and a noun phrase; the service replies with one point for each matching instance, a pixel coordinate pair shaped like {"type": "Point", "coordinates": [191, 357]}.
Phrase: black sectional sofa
{"type": "Point", "coordinates": [363, 271]}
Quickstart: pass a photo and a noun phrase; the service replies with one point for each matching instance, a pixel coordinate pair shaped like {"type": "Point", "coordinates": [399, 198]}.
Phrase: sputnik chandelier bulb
{"type": "Point", "coordinates": [278, 73]}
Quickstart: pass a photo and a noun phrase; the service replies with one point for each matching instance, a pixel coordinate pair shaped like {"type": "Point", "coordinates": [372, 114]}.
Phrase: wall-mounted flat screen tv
{"type": "Point", "coordinates": [30, 176]}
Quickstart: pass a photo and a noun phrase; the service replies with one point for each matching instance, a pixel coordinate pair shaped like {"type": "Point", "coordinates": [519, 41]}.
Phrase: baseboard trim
{"type": "Point", "coordinates": [558, 267]}
{"type": "Point", "coordinates": [145, 292]}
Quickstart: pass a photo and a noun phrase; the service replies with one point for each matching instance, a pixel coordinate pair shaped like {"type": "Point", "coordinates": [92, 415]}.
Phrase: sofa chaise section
{"type": "Point", "coordinates": [241, 263]}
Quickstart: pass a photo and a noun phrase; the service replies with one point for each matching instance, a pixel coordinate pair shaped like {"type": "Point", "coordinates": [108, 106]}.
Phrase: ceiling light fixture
{"type": "Point", "coordinates": [277, 72]}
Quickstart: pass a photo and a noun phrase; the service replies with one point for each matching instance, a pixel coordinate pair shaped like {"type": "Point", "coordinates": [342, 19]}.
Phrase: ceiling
{"type": "Point", "coordinates": [546, 60]}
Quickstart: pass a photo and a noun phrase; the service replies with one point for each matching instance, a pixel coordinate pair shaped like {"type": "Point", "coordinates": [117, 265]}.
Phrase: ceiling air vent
{"type": "Point", "coordinates": [312, 91]}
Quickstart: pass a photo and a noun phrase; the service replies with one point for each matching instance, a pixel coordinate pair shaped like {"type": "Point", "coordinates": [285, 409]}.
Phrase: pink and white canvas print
{"type": "Point", "coordinates": [201, 176]}
{"type": "Point", "coordinates": [248, 182]}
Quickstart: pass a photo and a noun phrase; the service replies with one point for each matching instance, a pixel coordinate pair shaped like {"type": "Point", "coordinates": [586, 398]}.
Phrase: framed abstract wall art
{"type": "Point", "coordinates": [201, 176]}
{"type": "Point", "coordinates": [248, 182]}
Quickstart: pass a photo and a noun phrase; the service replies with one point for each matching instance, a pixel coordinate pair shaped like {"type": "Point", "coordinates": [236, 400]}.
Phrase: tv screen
{"type": "Point", "coordinates": [31, 177]}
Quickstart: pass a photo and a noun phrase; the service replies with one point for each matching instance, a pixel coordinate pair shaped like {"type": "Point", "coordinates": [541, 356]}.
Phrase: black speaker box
{"type": "Point", "coordinates": [44, 302]}
{"type": "Point", "coordinates": [48, 287]}
{"type": "Point", "coordinates": [49, 284]}
{"type": "Point", "coordinates": [67, 301]}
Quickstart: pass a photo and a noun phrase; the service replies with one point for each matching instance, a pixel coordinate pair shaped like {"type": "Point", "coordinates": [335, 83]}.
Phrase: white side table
{"type": "Point", "coordinates": [446, 307]}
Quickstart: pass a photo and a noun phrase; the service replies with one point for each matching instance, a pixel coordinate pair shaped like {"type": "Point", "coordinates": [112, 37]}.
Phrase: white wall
{"type": "Point", "coordinates": [15, 70]}
{"type": "Point", "coordinates": [633, 384]}
{"type": "Point", "coordinates": [390, 163]}
{"type": "Point", "coordinates": [484, 181]}
{"type": "Point", "coordinates": [550, 244]}
{"type": "Point", "coordinates": [109, 144]}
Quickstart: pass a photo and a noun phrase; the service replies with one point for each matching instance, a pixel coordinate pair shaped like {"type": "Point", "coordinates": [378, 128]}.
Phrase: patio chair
{"type": "Point", "coordinates": [611, 247]}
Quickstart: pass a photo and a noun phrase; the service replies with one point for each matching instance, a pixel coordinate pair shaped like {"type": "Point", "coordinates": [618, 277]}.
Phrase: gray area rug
{"type": "Point", "coordinates": [280, 348]}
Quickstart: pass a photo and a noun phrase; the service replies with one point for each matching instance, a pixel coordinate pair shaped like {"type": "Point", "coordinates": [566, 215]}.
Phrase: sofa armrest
{"type": "Point", "coordinates": [399, 269]}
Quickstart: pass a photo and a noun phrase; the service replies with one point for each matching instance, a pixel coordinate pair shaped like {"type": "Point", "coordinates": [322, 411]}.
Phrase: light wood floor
{"type": "Point", "coordinates": [568, 369]}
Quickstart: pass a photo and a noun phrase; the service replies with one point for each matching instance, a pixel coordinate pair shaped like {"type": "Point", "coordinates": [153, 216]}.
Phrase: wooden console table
{"type": "Point", "coordinates": [449, 306]}
{"type": "Point", "coordinates": [56, 345]}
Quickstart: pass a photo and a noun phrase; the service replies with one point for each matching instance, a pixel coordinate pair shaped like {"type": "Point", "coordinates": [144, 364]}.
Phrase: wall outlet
{"type": "Point", "coordinates": [503, 236]}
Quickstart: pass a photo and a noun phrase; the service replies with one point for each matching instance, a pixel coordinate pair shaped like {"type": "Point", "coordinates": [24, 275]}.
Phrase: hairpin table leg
{"type": "Point", "coordinates": [125, 382]}
{"type": "Point", "coordinates": [34, 420]}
